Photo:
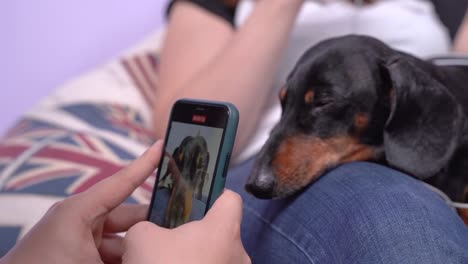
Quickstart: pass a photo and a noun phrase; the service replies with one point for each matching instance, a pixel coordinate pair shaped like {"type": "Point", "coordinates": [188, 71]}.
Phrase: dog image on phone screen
{"type": "Point", "coordinates": [187, 173]}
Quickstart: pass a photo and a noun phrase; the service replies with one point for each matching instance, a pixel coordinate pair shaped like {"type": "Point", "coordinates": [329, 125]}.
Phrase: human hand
{"type": "Point", "coordinates": [83, 227]}
{"type": "Point", "coordinates": [213, 240]}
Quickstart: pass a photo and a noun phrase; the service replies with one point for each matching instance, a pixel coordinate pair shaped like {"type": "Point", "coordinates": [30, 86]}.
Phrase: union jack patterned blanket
{"type": "Point", "coordinates": [86, 131]}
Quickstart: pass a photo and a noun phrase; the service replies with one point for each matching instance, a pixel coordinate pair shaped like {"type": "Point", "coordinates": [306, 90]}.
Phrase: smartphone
{"type": "Point", "coordinates": [192, 171]}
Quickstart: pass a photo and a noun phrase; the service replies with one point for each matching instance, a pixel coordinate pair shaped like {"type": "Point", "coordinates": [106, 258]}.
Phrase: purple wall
{"type": "Point", "coordinates": [44, 43]}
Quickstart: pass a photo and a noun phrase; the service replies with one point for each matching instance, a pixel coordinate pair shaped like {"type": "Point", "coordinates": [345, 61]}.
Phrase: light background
{"type": "Point", "coordinates": [45, 43]}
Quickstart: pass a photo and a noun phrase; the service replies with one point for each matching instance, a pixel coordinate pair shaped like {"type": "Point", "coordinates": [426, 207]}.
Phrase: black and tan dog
{"type": "Point", "coordinates": [188, 170]}
{"type": "Point", "coordinates": [355, 99]}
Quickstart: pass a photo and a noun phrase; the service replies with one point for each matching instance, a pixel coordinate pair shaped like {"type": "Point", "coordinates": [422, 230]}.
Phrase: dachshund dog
{"type": "Point", "coordinates": [188, 172]}
{"type": "Point", "coordinates": [355, 99]}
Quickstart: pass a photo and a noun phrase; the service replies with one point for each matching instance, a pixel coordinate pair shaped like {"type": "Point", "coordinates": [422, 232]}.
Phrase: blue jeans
{"type": "Point", "coordinates": [357, 213]}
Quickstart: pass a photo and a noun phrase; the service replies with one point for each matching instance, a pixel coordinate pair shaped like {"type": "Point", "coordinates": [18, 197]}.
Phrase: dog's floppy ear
{"type": "Point", "coordinates": [425, 121]}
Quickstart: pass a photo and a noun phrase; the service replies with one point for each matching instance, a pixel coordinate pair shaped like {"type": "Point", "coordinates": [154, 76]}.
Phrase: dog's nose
{"type": "Point", "coordinates": [262, 186]}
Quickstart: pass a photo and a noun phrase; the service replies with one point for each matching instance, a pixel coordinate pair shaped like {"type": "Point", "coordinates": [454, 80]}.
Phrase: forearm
{"type": "Point", "coordinates": [461, 41]}
{"type": "Point", "coordinates": [242, 71]}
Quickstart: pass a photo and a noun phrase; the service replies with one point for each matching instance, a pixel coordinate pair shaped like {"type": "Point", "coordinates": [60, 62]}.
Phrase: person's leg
{"type": "Point", "coordinates": [194, 37]}
{"type": "Point", "coordinates": [204, 57]}
{"type": "Point", "coordinates": [356, 213]}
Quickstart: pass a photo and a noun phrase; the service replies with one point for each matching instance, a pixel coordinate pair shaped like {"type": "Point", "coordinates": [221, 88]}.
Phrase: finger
{"type": "Point", "coordinates": [227, 208]}
{"type": "Point", "coordinates": [111, 248]}
{"type": "Point", "coordinates": [107, 194]}
{"type": "Point", "coordinates": [125, 216]}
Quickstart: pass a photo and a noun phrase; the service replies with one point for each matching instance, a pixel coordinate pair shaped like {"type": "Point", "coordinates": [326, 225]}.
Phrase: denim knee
{"type": "Point", "coordinates": [358, 212]}
{"type": "Point", "coordinates": [378, 214]}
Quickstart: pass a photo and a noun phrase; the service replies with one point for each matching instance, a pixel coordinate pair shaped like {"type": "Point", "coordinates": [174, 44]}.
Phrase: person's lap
{"type": "Point", "coordinates": [357, 213]}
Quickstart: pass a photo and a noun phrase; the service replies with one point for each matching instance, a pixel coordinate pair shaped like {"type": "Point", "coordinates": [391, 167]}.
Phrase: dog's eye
{"type": "Point", "coordinates": [320, 102]}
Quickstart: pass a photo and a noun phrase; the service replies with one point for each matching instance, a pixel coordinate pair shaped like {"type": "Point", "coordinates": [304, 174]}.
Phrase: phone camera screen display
{"type": "Point", "coordinates": [185, 176]}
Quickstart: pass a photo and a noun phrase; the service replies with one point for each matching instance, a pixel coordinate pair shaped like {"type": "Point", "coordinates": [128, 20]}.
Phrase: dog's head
{"type": "Point", "coordinates": [354, 99]}
{"type": "Point", "coordinates": [192, 158]}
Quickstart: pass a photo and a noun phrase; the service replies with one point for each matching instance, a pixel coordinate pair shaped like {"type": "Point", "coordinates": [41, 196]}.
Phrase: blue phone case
{"type": "Point", "coordinates": [227, 144]}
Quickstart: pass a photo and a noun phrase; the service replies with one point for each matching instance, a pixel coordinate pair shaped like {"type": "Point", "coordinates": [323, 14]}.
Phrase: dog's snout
{"type": "Point", "coordinates": [261, 186]}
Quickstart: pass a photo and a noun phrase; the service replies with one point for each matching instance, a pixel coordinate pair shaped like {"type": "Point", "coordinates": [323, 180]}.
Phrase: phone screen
{"type": "Point", "coordinates": [187, 169]}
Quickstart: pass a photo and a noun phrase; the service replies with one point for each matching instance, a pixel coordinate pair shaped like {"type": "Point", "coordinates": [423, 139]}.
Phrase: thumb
{"type": "Point", "coordinates": [145, 242]}
{"type": "Point", "coordinates": [226, 209]}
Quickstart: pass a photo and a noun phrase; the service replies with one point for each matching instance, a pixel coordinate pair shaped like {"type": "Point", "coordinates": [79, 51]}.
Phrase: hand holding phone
{"type": "Point", "coordinates": [197, 150]}
{"type": "Point", "coordinates": [213, 240]}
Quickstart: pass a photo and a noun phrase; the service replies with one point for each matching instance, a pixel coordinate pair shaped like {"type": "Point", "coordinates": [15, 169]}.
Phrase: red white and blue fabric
{"type": "Point", "coordinates": [68, 143]}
